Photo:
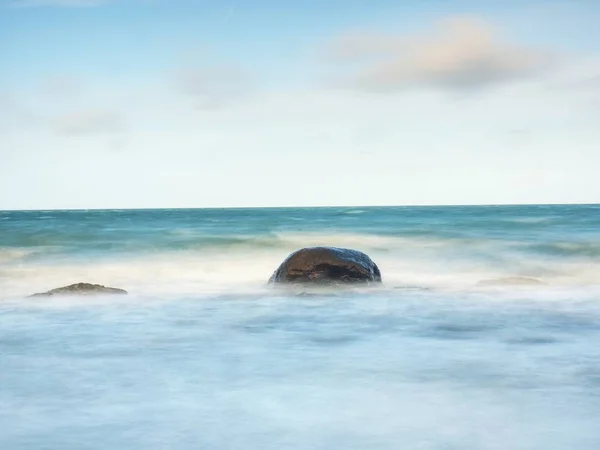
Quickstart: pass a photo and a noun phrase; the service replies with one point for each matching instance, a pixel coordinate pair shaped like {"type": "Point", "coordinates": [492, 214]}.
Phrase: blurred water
{"type": "Point", "coordinates": [201, 355]}
{"type": "Point", "coordinates": [409, 370]}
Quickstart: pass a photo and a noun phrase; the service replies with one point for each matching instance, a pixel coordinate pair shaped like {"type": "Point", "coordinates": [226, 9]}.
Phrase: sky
{"type": "Point", "coordinates": [180, 103]}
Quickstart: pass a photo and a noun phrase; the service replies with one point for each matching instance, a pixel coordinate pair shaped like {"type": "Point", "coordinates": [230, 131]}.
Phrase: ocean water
{"type": "Point", "coordinates": [203, 355]}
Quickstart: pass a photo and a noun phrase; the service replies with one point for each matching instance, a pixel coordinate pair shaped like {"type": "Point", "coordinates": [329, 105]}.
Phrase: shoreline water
{"type": "Point", "coordinates": [203, 354]}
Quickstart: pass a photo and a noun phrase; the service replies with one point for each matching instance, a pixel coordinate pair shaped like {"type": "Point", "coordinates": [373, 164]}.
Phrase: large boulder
{"type": "Point", "coordinates": [81, 289]}
{"type": "Point", "coordinates": [327, 265]}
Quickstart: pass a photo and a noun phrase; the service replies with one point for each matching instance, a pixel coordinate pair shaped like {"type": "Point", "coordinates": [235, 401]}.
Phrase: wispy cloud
{"type": "Point", "coordinates": [461, 52]}
{"type": "Point", "coordinates": [215, 86]}
{"type": "Point", "coordinates": [90, 121]}
{"type": "Point", "coordinates": [14, 114]}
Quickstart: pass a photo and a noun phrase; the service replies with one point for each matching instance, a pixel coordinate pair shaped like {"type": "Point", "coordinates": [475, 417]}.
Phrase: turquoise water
{"type": "Point", "coordinates": [203, 355]}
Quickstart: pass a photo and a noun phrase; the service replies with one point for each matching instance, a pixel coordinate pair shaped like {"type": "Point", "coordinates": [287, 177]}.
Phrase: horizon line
{"type": "Point", "coordinates": [303, 207]}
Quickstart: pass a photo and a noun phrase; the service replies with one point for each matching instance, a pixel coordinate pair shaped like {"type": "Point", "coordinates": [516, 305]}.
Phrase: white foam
{"type": "Point", "coordinates": [234, 271]}
{"type": "Point", "coordinates": [358, 241]}
{"type": "Point", "coordinates": [8, 254]}
{"type": "Point", "coordinates": [436, 263]}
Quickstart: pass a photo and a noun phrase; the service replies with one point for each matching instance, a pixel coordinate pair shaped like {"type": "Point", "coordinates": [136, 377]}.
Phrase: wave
{"type": "Point", "coordinates": [191, 251]}
{"type": "Point", "coordinates": [290, 240]}
{"type": "Point", "coordinates": [231, 264]}
{"type": "Point", "coordinates": [11, 254]}
{"type": "Point", "coordinates": [568, 249]}
{"type": "Point", "coordinates": [385, 237]}
{"type": "Point", "coordinates": [530, 220]}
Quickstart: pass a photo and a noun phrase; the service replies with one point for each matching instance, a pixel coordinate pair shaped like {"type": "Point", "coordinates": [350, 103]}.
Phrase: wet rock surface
{"type": "Point", "coordinates": [327, 265]}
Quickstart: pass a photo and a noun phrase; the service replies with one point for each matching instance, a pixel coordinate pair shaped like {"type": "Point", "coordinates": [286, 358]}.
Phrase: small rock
{"type": "Point", "coordinates": [81, 289]}
{"type": "Point", "coordinates": [511, 281]}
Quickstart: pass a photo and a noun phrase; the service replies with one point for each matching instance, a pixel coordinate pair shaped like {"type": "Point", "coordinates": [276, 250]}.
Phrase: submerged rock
{"type": "Point", "coordinates": [511, 281]}
{"type": "Point", "coordinates": [327, 265]}
{"type": "Point", "coordinates": [81, 289]}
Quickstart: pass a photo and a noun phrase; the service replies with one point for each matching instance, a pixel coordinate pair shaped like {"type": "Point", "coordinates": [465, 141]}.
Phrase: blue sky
{"type": "Point", "coordinates": [155, 103]}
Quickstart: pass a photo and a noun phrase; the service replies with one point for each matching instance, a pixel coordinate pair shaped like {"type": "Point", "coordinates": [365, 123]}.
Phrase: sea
{"type": "Point", "coordinates": [484, 335]}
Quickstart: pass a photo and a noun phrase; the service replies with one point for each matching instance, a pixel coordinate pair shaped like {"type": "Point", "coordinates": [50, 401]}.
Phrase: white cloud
{"type": "Point", "coordinates": [91, 121]}
{"type": "Point", "coordinates": [312, 147]}
{"type": "Point", "coordinates": [62, 87]}
{"type": "Point", "coordinates": [461, 52]}
{"type": "Point", "coordinates": [213, 87]}
{"type": "Point", "coordinates": [14, 114]}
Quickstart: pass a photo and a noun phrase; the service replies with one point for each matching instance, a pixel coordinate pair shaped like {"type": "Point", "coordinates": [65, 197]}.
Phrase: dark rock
{"type": "Point", "coordinates": [327, 265]}
{"type": "Point", "coordinates": [81, 289]}
{"type": "Point", "coordinates": [511, 281]}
